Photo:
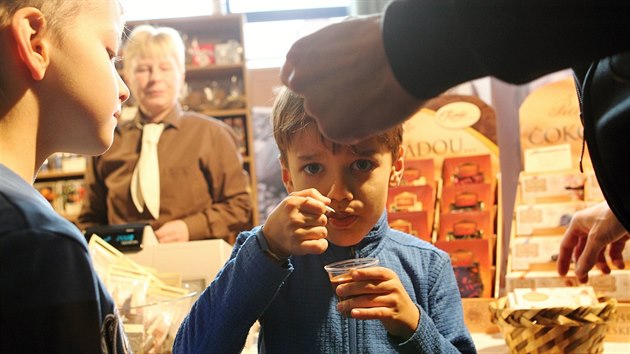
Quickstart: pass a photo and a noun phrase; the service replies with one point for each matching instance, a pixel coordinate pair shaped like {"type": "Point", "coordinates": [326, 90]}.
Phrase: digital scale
{"type": "Point", "coordinates": [124, 237]}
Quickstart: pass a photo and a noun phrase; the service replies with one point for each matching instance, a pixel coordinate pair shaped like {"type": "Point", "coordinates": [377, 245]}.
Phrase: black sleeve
{"type": "Point", "coordinates": [61, 328]}
{"type": "Point", "coordinates": [433, 45]}
{"type": "Point", "coordinates": [49, 297]}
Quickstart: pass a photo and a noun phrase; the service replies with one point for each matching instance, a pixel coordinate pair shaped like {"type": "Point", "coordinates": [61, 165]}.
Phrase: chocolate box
{"type": "Point", "coordinates": [468, 225]}
{"type": "Point", "coordinates": [472, 264]}
{"type": "Point", "coordinates": [545, 219]}
{"type": "Point", "coordinates": [551, 187]}
{"type": "Point", "coordinates": [467, 197]}
{"type": "Point", "coordinates": [415, 223]}
{"type": "Point", "coordinates": [467, 170]}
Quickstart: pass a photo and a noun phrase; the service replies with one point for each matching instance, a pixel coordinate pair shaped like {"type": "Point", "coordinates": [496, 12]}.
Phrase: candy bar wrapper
{"type": "Point", "coordinates": [616, 284]}
{"type": "Point", "coordinates": [530, 250]}
{"type": "Point", "coordinates": [551, 187]}
{"type": "Point", "coordinates": [592, 191]}
{"type": "Point", "coordinates": [127, 286]}
{"type": "Point", "coordinates": [545, 219]}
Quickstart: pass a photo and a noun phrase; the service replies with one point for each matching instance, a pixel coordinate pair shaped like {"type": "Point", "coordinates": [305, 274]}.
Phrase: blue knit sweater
{"type": "Point", "coordinates": [297, 307]}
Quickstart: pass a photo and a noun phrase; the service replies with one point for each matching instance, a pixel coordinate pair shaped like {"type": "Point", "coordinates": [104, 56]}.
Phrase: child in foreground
{"type": "Point", "coordinates": [409, 303]}
{"type": "Point", "coordinates": [59, 92]}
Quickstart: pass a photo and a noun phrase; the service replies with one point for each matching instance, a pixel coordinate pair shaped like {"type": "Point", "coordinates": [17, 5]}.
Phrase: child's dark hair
{"type": "Point", "coordinates": [289, 117]}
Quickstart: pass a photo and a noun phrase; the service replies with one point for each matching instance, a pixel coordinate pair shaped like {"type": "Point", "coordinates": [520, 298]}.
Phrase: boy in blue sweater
{"type": "Point", "coordinates": [409, 303]}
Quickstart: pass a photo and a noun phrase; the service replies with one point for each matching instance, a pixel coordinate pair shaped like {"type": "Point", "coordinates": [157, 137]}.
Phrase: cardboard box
{"type": "Point", "coordinates": [412, 199]}
{"type": "Point", "coordinates": [592, 190]}
{"type": "Point", "coordinates": [467, 197]}
{"type": "Point", "coordinates": [615, 285]}
{"type": "Point", "coordinates": [472, 264]}
{"type": "Point", "coordinates": [467, 170]}
{"type": "Point", "coordinates": [197, 261]}
{"type": "Point", "coordinates": [545, 219]}
{"type": "Point", "coordinates": [619, 326]}
{"type": "Point", "coordinates": [415, 223]}
{"type": "Point", "coordinates": [419, 172]}
{"type": "Point", "coordinates": [551, 187]}
{"type": "Point", "coordinates": [477, 315]}
{"type": "Point", "coordinates": [527, 251]}
{"type": "Point", "coordinates": [468, 225]}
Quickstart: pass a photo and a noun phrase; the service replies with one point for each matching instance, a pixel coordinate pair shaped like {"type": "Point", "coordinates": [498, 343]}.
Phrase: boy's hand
{"type": "Point", "coordinates": [377, 294]}
{"type": "Point", "coordinates": [297, 226]}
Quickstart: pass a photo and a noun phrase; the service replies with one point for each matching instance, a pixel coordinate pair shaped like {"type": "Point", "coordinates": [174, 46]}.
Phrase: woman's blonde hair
{"type": "Point", "coordinates": [147, 41]}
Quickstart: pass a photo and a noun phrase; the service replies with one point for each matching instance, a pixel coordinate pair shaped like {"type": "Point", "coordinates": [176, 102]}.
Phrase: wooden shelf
{"type": "Point", "coordinates": [193, 72]}
{"type": "Point", "coordinates": [58, 175]}
{"type": "Point", "coordinates": [218, 113]}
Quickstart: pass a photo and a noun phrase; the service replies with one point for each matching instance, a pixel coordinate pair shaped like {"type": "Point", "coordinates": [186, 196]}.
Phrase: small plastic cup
{"type": "Point", "coordinates": [339, 272]}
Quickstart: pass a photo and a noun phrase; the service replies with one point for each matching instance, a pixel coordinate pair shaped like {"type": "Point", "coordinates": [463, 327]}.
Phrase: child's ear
{"type": "Point", "coordinates": [398, 167]}
{"type": "Point", "coordinates": [28, 27]}
{"type": "Point", "coordinates": [286, 178]}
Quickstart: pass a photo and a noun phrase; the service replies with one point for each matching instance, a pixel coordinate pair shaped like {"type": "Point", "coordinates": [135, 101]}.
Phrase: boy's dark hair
{"type": "Point", "coordinates": [288, 117]}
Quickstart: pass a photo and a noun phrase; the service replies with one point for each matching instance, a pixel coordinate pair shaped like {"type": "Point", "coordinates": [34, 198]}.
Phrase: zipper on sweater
{"type": "Point", "coordinates": [352, 323]}
{"type": "Point", "coordinates": [352, 335]}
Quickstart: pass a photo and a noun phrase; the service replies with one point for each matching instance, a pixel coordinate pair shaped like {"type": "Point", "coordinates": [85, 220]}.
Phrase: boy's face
{"type": "Point", "coordinates": [356, 181]}
{"type": "Point", "coordinates": [155, 83]}
{"type": "Point", "coordinates": [82, 92]}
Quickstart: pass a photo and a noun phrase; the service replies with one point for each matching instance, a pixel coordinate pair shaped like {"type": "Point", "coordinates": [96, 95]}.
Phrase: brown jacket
{"type": "Point", "coordinates": [202, 180]}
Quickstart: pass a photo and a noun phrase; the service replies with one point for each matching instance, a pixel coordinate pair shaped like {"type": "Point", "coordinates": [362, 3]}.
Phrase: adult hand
{"type": "Point", "coordinates": [297, 226]}
{"type": "Point", "coordinates": [173, 231]}
{"type": "Point", "coordinates": [346, 81]}
{"type": "Point", "coordinates": [585, 241]}
{"type": "Point", "coordinates": [376, 293]}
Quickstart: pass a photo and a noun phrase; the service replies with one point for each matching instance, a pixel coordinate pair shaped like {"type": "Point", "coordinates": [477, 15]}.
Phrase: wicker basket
{"type": "Point", "coordinates": [554, 330]}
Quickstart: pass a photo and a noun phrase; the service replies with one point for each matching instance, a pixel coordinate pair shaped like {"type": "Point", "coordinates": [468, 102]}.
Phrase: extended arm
{"type": "Point", "coordinates": [220, 319]}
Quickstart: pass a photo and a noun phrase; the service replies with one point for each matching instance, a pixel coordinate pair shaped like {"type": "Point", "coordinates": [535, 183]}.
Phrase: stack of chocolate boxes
{"type": "Point", "coordinates": [466, 223]}
{"type": "Point", "coordinates": [465, 226]}
{"type": "Point", "coordinates": [551, 190]}
{"type": "Point", "coordinates": [411, 205]}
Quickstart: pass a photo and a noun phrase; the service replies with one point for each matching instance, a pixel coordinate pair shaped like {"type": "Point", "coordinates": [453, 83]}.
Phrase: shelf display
{"type": "Point", "coordinates": [454, 137]}
{"type": "Point", "coordinates": [451, 150]}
